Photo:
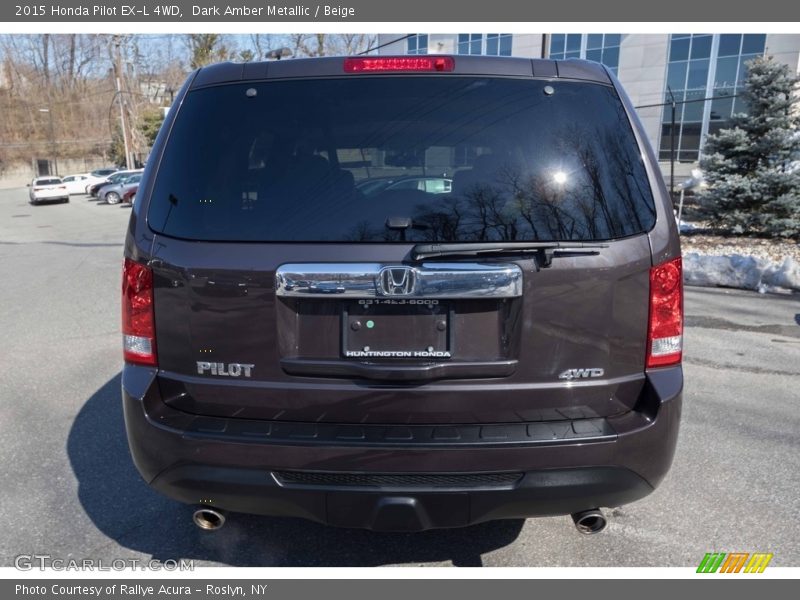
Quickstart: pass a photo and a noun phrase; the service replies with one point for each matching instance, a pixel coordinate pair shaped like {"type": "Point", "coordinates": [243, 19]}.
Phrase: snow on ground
{"type": "Point", "coordinates": [743, 272]}
{"type": "Point", "coordinates": [764, 265]}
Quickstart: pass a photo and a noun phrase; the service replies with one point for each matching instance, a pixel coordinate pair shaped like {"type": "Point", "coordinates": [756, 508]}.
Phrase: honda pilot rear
{"type": "Point", "coordinates": [402, 293]}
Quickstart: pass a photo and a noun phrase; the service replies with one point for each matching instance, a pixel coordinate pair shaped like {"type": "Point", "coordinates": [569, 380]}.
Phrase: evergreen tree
{"type": "Point", "coordinates": [150, 124]}
{"type": "Point", "coordinates": [753, 168]}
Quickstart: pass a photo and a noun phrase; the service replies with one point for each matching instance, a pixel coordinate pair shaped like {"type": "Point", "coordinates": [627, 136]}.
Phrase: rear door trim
{"type": "Point", "coordinates": [377, 280]}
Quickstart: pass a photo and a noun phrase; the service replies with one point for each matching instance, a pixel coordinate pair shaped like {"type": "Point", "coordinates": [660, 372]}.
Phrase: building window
{"type": "Point", "coordinates": [599, 47]}
{"type": "Point", "coordinates": [565, 45]}
{"type": "Point", "coordinates": [730, 70]}
{"type": "Point", "coordinates": [417, 43]}
{"type": "Point", "coordinates": [470, 43]}
{"type": "Point", "coordinates": [498, 44]}
{"type": "Point", "coordinates": [704, 66]}
{"type": "Point", "coordinates": [491, 44]}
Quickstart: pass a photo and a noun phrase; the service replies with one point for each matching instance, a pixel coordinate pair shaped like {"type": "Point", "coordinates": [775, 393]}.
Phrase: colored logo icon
{"type": "Point", "coordinates": [734, 562]}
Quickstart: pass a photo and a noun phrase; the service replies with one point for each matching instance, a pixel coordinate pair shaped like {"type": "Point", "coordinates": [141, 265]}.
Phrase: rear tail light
{"type": "Point", "coordinates": [39, 189]}
{"type": "Point", "coordinates": [138, 322]}
{"type": "Point", "coordinates": [665, 328]}
{"type": "Point", "coordinates": [386, 64]}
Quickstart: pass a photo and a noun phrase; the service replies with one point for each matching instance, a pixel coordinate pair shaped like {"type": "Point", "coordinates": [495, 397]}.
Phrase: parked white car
{"type": "Point", "coordinates": [97, 176]}
{"type": "Point", "coordinates": [48, 189]}
{"type": "Point", "coordinates": [76, 184]}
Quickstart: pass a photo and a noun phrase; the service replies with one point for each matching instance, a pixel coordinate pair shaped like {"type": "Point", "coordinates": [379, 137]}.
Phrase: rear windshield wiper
{"type": "Point", "coordinates": [545, 251]}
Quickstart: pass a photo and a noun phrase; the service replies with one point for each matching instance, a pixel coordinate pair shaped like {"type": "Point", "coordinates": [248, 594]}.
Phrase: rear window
{"type": "Point", "coordinates": [49, 181]}
{"type": "Point", "coordinates": [466, 159]}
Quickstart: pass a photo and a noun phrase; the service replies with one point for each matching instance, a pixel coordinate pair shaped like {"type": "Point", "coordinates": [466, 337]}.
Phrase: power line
{"type": "Point", "coordinates": [687, 101]}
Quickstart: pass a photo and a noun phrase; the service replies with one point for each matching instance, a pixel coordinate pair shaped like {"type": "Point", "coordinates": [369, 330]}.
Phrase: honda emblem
{"type": "Point", "coordinates": [397, 281]}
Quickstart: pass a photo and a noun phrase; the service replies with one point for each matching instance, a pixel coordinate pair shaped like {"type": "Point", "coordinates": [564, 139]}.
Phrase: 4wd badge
{"type": "Point", "coordinates": [570, 374]}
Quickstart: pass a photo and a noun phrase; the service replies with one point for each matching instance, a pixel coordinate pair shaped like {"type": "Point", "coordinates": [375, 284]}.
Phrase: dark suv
{"type": "Point", "coordinates": [402, 360]}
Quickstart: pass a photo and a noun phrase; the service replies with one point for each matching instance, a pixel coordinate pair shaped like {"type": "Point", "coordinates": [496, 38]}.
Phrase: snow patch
{"type": "Point", "coordinates": [743, 272]}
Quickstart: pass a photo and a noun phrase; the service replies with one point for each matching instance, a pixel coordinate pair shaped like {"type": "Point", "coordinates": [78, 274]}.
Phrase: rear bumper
{"type": "Point", "coordinates": [56, 198]}
{"type": "Point", "coordinates": [538, 493]}
{"type": "Point", "coordinates": [554, 468]}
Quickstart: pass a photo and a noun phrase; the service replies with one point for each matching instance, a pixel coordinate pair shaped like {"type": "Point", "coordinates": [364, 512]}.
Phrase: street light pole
{"type": "Point", "coordinates": [673, 105]}
{"type": "Point", "coordinates": [53, 152]}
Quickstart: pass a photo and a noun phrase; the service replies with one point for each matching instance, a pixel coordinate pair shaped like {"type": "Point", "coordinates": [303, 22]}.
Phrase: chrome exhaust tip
{"type": "Point", "coordinates": [208, 518]}
{"type": "Point", "coordinates": [590, 521]}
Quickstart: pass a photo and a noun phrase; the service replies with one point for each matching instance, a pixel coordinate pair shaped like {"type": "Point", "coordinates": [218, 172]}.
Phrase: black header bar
{"type": "Point", "coordinates": [385, 11]}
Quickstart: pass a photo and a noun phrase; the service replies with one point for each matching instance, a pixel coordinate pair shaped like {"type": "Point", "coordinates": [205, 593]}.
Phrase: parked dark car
{"type": "Point", "coordinates": [129, 197]}
{"type": "Point", "coordinates": [113, 192]}
{"type": "Point", "coordinates": [113, 179]}
{"type": "Point", "coordinates": [97, 176]}
{"type": "Point", "coordinates": [404, 360]}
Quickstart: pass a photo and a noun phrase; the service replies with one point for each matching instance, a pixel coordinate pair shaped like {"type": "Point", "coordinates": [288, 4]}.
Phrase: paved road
{"type": "Point", "coordinates": [70, 490]}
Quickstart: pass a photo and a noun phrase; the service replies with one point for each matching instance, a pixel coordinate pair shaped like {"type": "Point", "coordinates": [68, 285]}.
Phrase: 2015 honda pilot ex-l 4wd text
{"type": "Point", "coordinates": [506, 344]}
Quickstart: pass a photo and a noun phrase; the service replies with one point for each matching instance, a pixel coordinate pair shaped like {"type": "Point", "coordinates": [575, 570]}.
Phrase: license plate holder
{"type": "Point", "coordinates": [396, 329]}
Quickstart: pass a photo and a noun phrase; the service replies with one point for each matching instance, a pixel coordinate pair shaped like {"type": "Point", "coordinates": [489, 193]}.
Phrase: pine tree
{"type": "Point", "coordinates": [149, 125]}
{"type": "Point", "coordinates": [753, 168]}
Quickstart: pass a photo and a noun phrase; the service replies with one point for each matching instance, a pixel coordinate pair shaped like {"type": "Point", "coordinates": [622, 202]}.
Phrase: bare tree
{"type": "Point", "coordinates": [261, 44]}
{"type": "Point", "coordinates": [206, 48]}
{"type": "Point", "coordinates": [71, 79]}
{"type": "Point", "coordinates": [322, 44]}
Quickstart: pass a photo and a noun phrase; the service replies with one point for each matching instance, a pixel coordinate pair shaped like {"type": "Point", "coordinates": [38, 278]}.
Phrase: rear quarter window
{"type": "Point", "coordinates": [465, 158]}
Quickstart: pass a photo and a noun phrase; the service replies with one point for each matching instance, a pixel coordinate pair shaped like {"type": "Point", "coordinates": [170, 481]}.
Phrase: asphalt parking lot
{"type": "Point", "coordinates": [70, 490]}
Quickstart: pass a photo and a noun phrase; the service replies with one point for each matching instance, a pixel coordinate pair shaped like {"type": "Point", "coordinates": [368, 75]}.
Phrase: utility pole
{"type": "Point", "coordinates": [53, 148]}
{"type": "Point", "coordinates": [118, 75]}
